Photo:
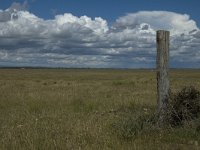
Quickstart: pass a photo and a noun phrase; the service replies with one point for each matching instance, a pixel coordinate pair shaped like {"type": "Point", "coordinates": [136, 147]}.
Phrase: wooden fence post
{"type": "Point", "coordinates": [162, 73]}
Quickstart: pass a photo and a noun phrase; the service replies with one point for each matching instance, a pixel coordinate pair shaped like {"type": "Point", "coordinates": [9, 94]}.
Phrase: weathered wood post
{"type": "Point", "coordinates": [162, 73]}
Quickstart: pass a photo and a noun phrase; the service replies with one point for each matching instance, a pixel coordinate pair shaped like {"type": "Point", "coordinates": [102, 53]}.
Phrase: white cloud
{"type": "Point", "coordinates": [68, 40]}
{"type": "Point", "coordinates": [25, 24]}
{"type": "Point", "coordinates": [174, 22]}
{"type": "Point", "coordinates": [98, 25]}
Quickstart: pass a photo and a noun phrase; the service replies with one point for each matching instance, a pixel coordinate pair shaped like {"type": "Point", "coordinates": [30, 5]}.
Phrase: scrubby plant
{"type": "Point", "coordinates": [184, 105]}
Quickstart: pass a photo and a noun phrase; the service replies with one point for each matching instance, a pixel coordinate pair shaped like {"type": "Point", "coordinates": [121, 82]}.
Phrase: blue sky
{"type": "Point", "coordinates": [107, 9]}
{"type": "Point", "coordinates": [89, 33]}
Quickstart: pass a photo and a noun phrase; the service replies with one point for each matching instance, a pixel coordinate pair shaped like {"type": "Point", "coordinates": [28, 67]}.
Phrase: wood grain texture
{"type": "Point", "coordinates": [162, 72]}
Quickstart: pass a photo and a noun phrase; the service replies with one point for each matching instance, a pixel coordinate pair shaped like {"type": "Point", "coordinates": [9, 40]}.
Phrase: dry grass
{"type": "Point", "coordinates": [76, 109]}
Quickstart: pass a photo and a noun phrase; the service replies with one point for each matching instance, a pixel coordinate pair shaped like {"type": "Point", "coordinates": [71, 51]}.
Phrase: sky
{"type": "Point", "coordinates": [97, 34]}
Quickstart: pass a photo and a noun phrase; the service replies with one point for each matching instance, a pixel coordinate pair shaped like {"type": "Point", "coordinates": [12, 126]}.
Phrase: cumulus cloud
{"type": "Point", "coordinates": [174, 22]}
{"type": "Point", "coordinates": [71, 41]}
{"type": "Point", "coordinates": [10, 13]}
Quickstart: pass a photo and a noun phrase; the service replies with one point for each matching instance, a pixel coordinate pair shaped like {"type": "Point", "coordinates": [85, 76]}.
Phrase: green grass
{"type": "Point", "coordinates": [88, 109]}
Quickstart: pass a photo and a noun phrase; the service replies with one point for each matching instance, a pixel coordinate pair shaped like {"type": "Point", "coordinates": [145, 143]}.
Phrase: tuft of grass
{"type": "Point", "coordinates": [129, 128]}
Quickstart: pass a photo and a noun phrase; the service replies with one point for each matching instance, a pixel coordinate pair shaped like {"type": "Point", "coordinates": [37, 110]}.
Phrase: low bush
{"type": "Point", "coordinates": [184, 105]}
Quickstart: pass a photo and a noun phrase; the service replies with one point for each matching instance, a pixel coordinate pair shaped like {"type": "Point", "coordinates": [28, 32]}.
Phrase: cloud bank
{"type": "Point", "coordinates": [71, 41]}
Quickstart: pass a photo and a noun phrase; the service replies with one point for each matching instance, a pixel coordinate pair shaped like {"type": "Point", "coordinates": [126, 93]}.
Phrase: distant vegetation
{"type": "Point", "coordinates": [95, 109]}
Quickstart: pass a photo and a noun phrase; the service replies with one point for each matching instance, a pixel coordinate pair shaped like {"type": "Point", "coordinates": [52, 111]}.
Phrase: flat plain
{"type": "Point", "coordinates": [87, 109]}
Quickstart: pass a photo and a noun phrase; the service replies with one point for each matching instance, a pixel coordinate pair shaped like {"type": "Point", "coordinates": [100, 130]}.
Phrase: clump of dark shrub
{"type": "Point", "coordinates": [184, 105]}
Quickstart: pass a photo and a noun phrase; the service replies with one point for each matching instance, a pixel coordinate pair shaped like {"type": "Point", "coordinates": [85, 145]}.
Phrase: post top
{"type": "Point", "coordinates": [162, 31]}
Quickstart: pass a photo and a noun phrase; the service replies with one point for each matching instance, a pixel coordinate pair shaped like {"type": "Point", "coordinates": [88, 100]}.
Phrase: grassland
{"type": "Point", "coordinates": [87, 109]}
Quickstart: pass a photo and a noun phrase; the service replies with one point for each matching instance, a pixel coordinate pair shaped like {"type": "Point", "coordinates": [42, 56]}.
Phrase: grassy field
{"type": "Point", "coordinates": [87, 109]}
